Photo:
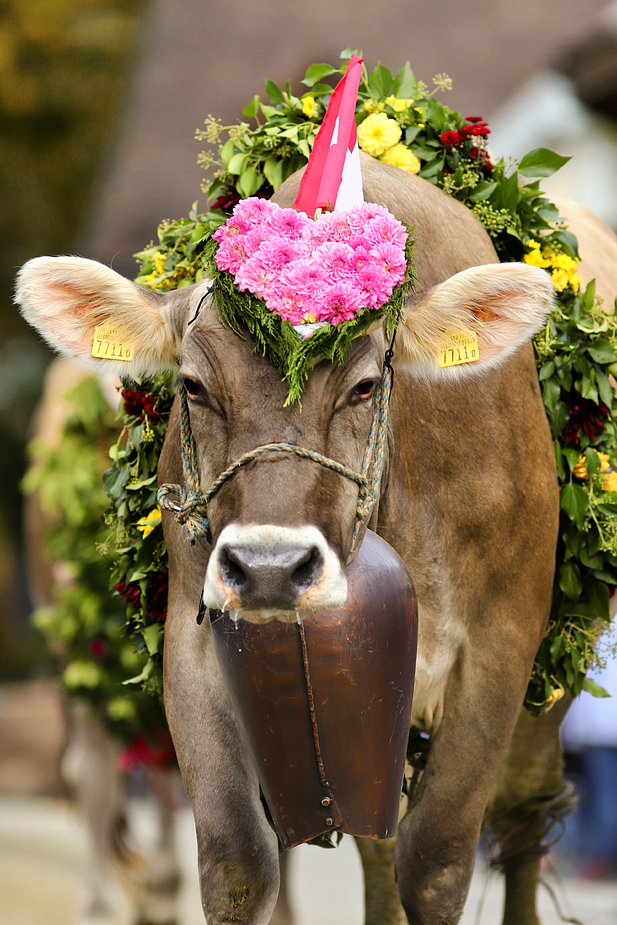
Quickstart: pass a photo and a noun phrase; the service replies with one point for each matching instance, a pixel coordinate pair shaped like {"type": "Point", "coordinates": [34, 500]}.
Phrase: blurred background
{"type": "Point", "coordinates": [99, 103]}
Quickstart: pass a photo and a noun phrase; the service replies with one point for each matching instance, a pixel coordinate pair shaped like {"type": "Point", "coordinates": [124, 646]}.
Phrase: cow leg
{"type": "Point", "coordinates": [438, 837]}
{"type": "Point", "coordinates": [381, 900]}
{"type": "Point", "coordinates": [529, 797]}
{"type": "Point", "coordinates": [158, 901]}
{"type": "Point", "coordinates": [237, 849]}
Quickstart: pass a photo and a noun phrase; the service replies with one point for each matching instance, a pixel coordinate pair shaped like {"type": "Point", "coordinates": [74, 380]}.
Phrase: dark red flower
{"type": "Point", "coordinates": [482, 130]}
{"type": "Point", "coordinates": [473, 119]}
{"type": "Point", "coordinates": [97, 648]}
{"type": "Point", "coordinates": [481, 155]}
{"type": "Point", "coordinates": [227, 200]}
{"type": "Point", "coordinates": [155, 748]}
{"type": "Point", "coordinates": [452, 138]}
{"type": "Point", "coordinates": [131, 592]}
{"type": "Point", "coordinates": [140, 405]}
{"type": "Point", "coordinates": [157, 598]}
{"type": "Point", "coordinates": [585, 415]}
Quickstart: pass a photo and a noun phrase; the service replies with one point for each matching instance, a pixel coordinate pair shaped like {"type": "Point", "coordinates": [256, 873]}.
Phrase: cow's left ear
{"type": "Point", "coordinates": [75, 304]}
{"type": "Point", "coordinates": [498, 307]}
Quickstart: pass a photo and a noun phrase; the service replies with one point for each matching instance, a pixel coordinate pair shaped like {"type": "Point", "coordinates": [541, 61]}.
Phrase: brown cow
{"type": "Point", "coordinates": [469, 499]}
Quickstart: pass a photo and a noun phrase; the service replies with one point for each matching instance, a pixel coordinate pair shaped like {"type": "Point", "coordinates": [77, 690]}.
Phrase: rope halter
{"type": "Point", "coordinates": [190, 504]}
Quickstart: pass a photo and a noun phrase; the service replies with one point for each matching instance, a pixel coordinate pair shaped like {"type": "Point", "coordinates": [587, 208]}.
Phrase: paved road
{"type": "Point", "coordinates": [42, 856]}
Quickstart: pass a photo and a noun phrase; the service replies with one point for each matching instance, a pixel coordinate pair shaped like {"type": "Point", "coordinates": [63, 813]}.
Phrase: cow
{"type": "Point", "coordinates": [469, 500]}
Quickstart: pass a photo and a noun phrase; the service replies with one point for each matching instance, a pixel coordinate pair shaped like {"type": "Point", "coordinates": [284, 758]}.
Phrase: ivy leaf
{"type": "Point", "coordinates": [318, 72]}
{"type": "Point", "coordinates": [405, 84]}
{"type": "Point", "coordinates": [274, 92]}
{"type": "Point", "coordinates": [380, 82]}
{"type": "Point", "coordinates": [570, 580]}
{"type": "Point", "coordinates": [594, 689]}
{"type": "Point", "coordinates": [251, 110]}
{"type": "Point", "coordinates": [575, 502]}
{"type": "Point", "coordinates": [541, 163]}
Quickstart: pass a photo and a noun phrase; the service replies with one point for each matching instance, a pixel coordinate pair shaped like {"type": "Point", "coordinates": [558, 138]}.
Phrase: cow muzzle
{"type": "Point", "coordinates": [266, 571]}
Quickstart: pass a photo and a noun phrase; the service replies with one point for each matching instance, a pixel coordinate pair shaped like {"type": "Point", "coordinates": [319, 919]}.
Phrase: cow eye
{"type": "Point", "coordinates": [362, 392]}
{"type": "Point", "coordinates": [194, 390]}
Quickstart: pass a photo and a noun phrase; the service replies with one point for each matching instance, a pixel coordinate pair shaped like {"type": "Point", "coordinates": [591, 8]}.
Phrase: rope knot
{"type": "Point", "coordinates": [188, 506]}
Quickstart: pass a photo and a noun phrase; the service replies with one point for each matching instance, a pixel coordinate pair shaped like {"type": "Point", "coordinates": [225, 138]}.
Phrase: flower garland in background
{"type": "Point", "coordinates": [401, 123]}
{"type": "Point", "coordinates": [86, 625]}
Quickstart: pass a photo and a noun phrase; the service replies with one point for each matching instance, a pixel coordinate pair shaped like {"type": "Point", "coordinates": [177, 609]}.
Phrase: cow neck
{"type": "Point", "coordinates": [190, 504]}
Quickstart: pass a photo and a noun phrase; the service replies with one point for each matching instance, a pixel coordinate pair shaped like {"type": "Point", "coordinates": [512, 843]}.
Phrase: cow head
{"type": "Point", "coordinates": [281, 527]}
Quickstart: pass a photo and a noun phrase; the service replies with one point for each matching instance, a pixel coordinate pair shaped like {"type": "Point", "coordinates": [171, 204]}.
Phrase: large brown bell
{"type": "Point", "coordinates": [325, 705]}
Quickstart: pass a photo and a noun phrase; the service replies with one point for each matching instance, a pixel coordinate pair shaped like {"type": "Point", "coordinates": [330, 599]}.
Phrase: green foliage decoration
{"type": "Point", "coordinates": [83, 622]}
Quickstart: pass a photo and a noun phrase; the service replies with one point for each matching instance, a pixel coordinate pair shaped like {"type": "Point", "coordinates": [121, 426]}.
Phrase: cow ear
{"type": "Point", "coordinates": [69, 300]}
{"type": "Point", "coordinates": [498, 307]}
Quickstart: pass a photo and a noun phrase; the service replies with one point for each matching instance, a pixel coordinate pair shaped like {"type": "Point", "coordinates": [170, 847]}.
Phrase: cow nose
{"type": "Point", "coordinates": [267, 568]}
{"type": "Point", "coordinates": [270, 577]}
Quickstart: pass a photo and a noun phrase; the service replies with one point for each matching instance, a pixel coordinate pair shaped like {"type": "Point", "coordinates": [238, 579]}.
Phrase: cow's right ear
{"type": "Point", "coordinates": [69, 300]}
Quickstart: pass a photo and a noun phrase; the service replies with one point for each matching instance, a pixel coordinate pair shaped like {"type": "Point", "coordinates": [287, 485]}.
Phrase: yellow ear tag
{"type": "Point", "coordinates": [459, 348]}
{"type": "Point", "coordinates": [107, 347]}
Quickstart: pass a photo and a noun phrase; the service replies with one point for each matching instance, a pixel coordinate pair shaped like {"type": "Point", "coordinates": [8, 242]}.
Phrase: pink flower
{"type": "Point", "coordinates": [391, 259]}
{"type": "Point", "coordinates": [288, 223]}
{"type": "Point", "coordinates": [385, 228]}
{"type": "Point", "coordinates": [340, 302]}
{"type": "Point", "coordinates": [326, 269]}
{"type": "Point", "coordinates": [336, 258]}
{"type": "Point", "coordinates": [231, 254]}
{"type": "Point", "coordinates": [375, 285]}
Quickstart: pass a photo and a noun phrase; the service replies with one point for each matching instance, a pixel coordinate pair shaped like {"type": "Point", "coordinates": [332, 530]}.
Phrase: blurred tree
{"type": "Point", "coordinates": [65, 67]}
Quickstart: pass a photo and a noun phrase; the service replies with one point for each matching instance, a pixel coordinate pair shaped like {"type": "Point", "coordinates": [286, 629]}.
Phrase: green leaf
{"type": "Point", "coordinates": [541, 163]}
{"type": "Point", "coordinates": [318, 72]}
{"type": "Point", "coordinates": [405, 84]}
{"type": "Point", "coordinates": [250, 111]}
{"type": "Point", "coordinates": [273, 172]}
{"type": "Point", "coordinates": [570, 580]}
{"type": "Point", "coordinates": [380, 82]}
{"type": "Point", "coordinates": [575, 502]}
{"type": "Point", "coordinates": [274, 93]}
{"type": "Point", "coordinates": [237, 163]}
{"type": "Point", "coordinates": [594, 689]}
{"type": "Point", "coordinates": [483, 191]}
{"type": "Point", "coordinates": [249, 182]}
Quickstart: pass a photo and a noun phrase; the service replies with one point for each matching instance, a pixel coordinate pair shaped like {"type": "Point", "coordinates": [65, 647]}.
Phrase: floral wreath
{"type": "Point", "coordinates": [307, 287]}
{"type": "Point", "coordinates": [400, 122]}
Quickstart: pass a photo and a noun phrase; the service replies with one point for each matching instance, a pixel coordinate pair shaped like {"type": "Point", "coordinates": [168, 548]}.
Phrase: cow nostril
{"type": "Point", "coordinates": [307, 573]}
{"type": "Point", "coordinates": [230, 569]}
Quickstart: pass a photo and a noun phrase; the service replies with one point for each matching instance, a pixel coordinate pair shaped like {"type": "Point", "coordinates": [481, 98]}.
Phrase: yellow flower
{"type": "Point", "coordinates": [159, 263]}
{"type": "Point", "coordinates": [400, 156]}
{"type": "Point", "coordinates": [309, 106]}
{"type": "Point", "coordinates": [378, 133]}
{"type": "Point", "coordinates": [535, 258]}
{"type": "Point", "coordinates": [560, 280]}
{"type": "Point", "coordinates": [609, 483]}
{"type": "Point", "coordinates": [580, 469]}
{"type": "Point", "coordinates": [397, 104]}
{"type": "Point", "coordinates": [149, 522]}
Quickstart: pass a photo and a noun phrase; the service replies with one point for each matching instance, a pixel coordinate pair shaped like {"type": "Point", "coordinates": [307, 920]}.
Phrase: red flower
{"type": "Point", "coordinates": [154, 749]}
{"type": "Point", "coordinates": [585, 415]}
{"type": "Point", "coordinates": [482, 129]}
{"type": "Point", "coordinates": [131, 592]}
{"type": "Point", "coordinates": [481, 155]}
{"type": "Point", "coordinates": [452, 139]}
{"type": "Point", "coordinates": [474, 119]}
{"type": "Point", "coordinates": [157, 598]}
{"type": "Point", "coordinates": [140, 404]}
{"type": "Point", "coordinates": [97, 648]}
{"type": "Point", "coordinates": [227, 201]}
